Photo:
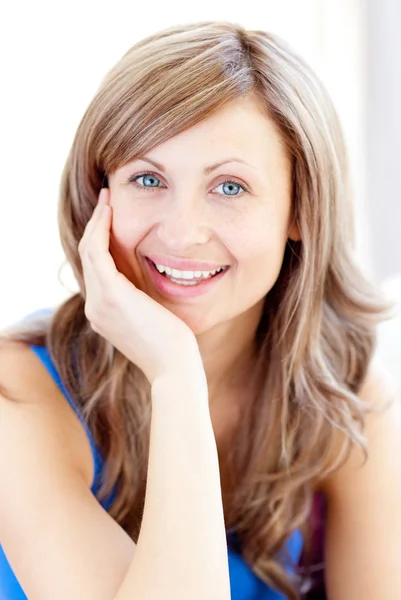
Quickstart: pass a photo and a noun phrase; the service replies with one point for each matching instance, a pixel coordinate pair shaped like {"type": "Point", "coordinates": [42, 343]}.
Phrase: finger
{"type": "Point", "coordinates": [98, 253]}
{"type": "Point", "coordinates": [103, 199]}
{"type": "Point", "coordinates": [87, 249]}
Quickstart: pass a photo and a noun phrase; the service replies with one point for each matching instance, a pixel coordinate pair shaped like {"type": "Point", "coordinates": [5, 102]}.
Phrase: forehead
{"type": "Point", "coordinates": [242, 122]}
{"type": "Point", "coordinates": [242, 128]}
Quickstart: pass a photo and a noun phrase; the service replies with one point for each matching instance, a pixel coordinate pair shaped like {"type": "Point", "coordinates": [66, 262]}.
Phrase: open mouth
{"type": "Point", "coordinates": [192, 278]}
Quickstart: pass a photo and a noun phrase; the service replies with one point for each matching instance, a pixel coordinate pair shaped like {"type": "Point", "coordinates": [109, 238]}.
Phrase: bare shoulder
{"type": "Point", "coordinates": [22, 375]}
{"type": "Point", "coordinates": [27, 388]}
{"type": "Point", "coordinates": [381, 393]}
{"type": "Point", "coordinates": [379, 388]}
{"type": "Point", "coordinates": [381, 398]}
{"type": "Point", "coordinates": [363, 529]}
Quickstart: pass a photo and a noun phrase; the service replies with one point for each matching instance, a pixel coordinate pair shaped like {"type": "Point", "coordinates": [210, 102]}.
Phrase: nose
{"type": "Point", "coordinates": [183, 224]}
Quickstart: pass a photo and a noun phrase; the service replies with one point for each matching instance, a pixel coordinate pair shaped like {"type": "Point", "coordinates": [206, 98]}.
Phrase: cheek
{"type": "Point", "coordinates": [130, 223]}
{"type": "Point", "coordinates": [126, 230]}
{"type": "Point", "coordinates": [260, 252]}
{"type": "Point", "coordinates": [262, 236]}
{"type": "Point", "coordinates": [124, 239]}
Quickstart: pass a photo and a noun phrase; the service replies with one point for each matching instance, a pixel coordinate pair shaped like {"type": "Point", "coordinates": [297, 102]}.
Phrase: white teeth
{"type": "Point", "coordinates": [177, 274]}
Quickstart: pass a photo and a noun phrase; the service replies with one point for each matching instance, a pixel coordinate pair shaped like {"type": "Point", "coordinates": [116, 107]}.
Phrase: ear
{"type": "Point", "coordinates": [294, 233]}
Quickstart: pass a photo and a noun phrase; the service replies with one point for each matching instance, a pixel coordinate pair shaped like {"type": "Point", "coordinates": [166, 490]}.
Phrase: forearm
{"type": "Point", "coordinates": [181, 551]}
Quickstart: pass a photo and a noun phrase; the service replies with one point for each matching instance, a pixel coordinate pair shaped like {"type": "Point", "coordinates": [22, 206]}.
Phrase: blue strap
{"type": "Point", "coordinates": [245, 585]}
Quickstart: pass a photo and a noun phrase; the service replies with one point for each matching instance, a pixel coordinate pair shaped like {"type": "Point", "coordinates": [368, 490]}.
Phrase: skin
{"type": "Point", "coordinates": [192, 215]}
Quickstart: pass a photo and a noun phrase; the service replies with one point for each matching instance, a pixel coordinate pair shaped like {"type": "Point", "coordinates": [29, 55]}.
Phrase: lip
{"type": "Point", "coordinates": [182, 264]}
{"type": "Point", "coordinates": [170, 289]}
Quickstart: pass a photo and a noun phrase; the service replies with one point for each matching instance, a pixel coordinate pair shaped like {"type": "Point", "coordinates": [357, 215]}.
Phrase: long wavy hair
{"type": "Point", "coordinates": [317, 332]}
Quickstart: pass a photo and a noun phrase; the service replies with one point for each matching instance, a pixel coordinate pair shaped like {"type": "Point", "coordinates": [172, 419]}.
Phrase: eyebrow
{"type": "Point", "coordinates": [206, 171]}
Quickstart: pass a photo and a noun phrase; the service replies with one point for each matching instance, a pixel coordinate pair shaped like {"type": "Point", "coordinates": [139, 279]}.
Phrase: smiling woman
{"type": "Point", "coordinates": [218, 355]}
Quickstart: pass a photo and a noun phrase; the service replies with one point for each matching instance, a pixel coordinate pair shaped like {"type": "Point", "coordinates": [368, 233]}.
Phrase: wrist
{"type": "Point", "coordinates": [187, 381]}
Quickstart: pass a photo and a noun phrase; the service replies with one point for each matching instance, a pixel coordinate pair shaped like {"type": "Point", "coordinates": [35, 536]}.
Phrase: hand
{"type": "Point", "coordinates": [147, 333]}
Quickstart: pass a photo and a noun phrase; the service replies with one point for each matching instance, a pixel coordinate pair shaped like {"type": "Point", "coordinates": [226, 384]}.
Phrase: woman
{"type": "Point", "coordinates": [218, 355]}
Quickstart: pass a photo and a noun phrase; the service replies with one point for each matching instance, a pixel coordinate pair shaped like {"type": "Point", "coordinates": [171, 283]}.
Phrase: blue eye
{"type": "Point", "coordinates": [150, 182]}
{"type": "Point", "coordinates": [229, 189]}
{"type": "Point", "coordinates": [148, 177]}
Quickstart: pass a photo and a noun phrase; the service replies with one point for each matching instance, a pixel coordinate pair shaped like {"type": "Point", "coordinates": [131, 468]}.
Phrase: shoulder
{"type": "Point", "coordinates": [379, 388]}
{"type": "Point", "coordinates": [381, 401]}
{"type": "Point", "coordinates": [363, 528]}
{"type": "Point", "coordinates": [28, 391]}
{"type": "Point", "coordinates": [22, 375]}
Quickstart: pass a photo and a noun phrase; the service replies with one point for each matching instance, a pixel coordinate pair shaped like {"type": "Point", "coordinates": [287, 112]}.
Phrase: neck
{"type": "Point", "coordinates": [228, 354]}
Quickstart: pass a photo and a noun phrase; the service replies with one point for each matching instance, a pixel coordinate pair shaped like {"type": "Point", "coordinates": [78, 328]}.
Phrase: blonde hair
{"type": "Point", "coordinates": [317, 332]}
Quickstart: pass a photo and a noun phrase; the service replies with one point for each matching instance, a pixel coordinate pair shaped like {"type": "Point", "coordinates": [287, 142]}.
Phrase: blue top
{"type": "Point", "coordinates": [245, 585]}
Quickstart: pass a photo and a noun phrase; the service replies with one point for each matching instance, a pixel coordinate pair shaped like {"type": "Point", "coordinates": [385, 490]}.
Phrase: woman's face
{"type": "Point", "coordinates": [237, 215]}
